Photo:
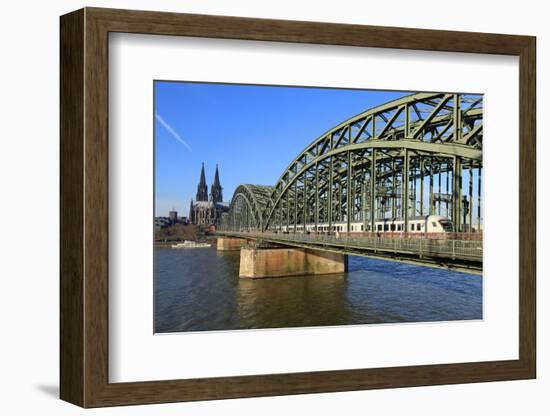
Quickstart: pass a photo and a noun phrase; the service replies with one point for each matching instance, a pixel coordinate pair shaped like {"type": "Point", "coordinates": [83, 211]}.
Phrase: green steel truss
{"type": "Point", "coordinates": [399, 160]}
{"type": "Point", "coordinates": [247, 207]}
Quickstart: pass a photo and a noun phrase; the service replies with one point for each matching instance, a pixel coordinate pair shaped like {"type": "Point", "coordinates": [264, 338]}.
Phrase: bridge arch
{"type": "Point", "coordinates": [246, 208]}
{"type": "Point", "coordinates": [375, 162]}
{"type": "Point", "coordinates": [402, 141]}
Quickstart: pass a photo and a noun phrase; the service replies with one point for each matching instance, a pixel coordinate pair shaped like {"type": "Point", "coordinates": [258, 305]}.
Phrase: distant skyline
{"type": "Point", "coordinates": [252, 132]}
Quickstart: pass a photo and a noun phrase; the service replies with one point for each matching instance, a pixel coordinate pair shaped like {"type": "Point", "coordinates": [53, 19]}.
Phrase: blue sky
{"type": "Point", "coordinates": [252, 132]}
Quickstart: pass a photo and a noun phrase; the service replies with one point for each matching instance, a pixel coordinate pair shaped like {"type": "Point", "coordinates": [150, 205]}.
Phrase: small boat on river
{"type": "Point", "coordinates": [190, 244]}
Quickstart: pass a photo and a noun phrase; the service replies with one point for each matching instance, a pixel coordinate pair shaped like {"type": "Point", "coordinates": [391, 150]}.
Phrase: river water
{"type": "Point", "coordinates": [200, 290]}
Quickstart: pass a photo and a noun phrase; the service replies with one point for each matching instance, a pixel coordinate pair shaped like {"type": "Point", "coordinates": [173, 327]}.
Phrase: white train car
{"type": "Point", "coordinates": [426, 224]}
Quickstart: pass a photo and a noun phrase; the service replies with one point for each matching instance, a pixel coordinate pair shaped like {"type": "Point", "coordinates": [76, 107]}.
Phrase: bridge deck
{"type": "Point", "coordinates": [457, 254]}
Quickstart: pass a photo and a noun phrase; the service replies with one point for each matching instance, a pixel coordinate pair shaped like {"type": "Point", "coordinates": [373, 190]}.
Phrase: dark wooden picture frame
{"type": "Point", "coordinates": [84, 207]}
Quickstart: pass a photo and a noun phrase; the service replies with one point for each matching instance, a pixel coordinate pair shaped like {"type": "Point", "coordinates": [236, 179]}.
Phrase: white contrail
{"type": "Point", "coordinates": [172, 131]}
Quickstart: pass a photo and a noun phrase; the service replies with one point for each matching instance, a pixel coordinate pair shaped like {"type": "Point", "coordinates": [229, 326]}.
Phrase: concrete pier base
{"type": "Point", "coordinates": [229, 244]}
{"type": "Point", "coordinates": [280, 262]}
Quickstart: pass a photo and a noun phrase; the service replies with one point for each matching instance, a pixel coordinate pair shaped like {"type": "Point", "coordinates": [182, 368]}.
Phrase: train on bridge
{"type": "Point", "coordinates": [432, 224]}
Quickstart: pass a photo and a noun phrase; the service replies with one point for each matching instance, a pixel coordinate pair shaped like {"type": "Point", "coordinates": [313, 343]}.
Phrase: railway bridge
{"type": "Point", "coordinates": [362, 186]}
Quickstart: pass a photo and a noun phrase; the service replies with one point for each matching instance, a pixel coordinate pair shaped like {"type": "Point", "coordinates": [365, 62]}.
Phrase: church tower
{"type": "Point", "coordinates": [216, 188]}
{"type": "Point", "coordinates": [202, 188]}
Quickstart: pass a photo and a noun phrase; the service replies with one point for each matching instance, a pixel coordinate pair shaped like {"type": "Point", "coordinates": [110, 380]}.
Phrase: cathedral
{"type": "Point", "coordinates": [207, 210]}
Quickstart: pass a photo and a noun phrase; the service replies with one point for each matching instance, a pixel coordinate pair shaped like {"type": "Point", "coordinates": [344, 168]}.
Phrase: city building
{"type": "Point", "coordinates": [205, 209]}
{"type": "Point", "coordinates": [171, 219]}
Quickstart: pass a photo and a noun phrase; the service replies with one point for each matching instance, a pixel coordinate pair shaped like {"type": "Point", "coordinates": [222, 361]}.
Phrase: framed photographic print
{"type": "Point", "coordinates": [255, 207]}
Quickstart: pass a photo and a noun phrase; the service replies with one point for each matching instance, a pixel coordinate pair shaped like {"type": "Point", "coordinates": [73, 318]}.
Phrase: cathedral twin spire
{"type": "Point", "coordinates": [202, 188]}
{"type": "Point", "coordinates": [215, 190]}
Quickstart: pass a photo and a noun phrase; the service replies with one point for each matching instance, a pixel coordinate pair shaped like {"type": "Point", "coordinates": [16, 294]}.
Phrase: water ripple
{"type": "Point", "coordinates": [199, 290]}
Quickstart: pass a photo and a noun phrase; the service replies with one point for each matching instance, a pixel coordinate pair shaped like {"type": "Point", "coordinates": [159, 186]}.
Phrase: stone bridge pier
{"type": "Point", "coordinates": [230, 243]}
{"type": "Point", "coordinates": [262, 260]}
{"type": "Point", "coordinates": [283, 261]}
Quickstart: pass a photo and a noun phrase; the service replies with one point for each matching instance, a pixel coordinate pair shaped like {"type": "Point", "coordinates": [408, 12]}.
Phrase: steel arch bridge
{"type": "Point", "coordinates": [401, 159]}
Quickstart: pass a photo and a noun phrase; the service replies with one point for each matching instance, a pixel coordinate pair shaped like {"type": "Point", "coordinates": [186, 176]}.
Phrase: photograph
{"type": "Point", "coordinates": [280, 206]}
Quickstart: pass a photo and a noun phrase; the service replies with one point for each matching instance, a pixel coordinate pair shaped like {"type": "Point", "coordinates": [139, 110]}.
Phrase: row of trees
{"type": "Point", "coordinates": [177, 231]}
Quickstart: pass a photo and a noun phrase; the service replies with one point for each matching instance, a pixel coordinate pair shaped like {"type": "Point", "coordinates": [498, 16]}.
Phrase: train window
{"type": "Point", "coordinates": [412, 227]}
{"type": "Point", "coordinates": [362, 226]}
{"type": "Point", "coordinates": [434, 224]}
{"type": "Point", "coordinates": [385, 227]}
{"type": "Point", "coordinates": [418, 227]}
{"type": "Point", "coordinates": [392, 227]}
{"type": "Point", "coordinates": [379, 227]}
{"type": "Point", "coordinates": [447, 226]}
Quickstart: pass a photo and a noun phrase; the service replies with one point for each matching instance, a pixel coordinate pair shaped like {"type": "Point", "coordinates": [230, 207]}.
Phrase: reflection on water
{"type": "Point", "coordinates": [200, 290]}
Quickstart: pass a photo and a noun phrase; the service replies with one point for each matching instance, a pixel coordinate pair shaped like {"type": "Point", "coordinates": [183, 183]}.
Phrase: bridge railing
{"type": "Point", "coordinates": [461, 249]}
